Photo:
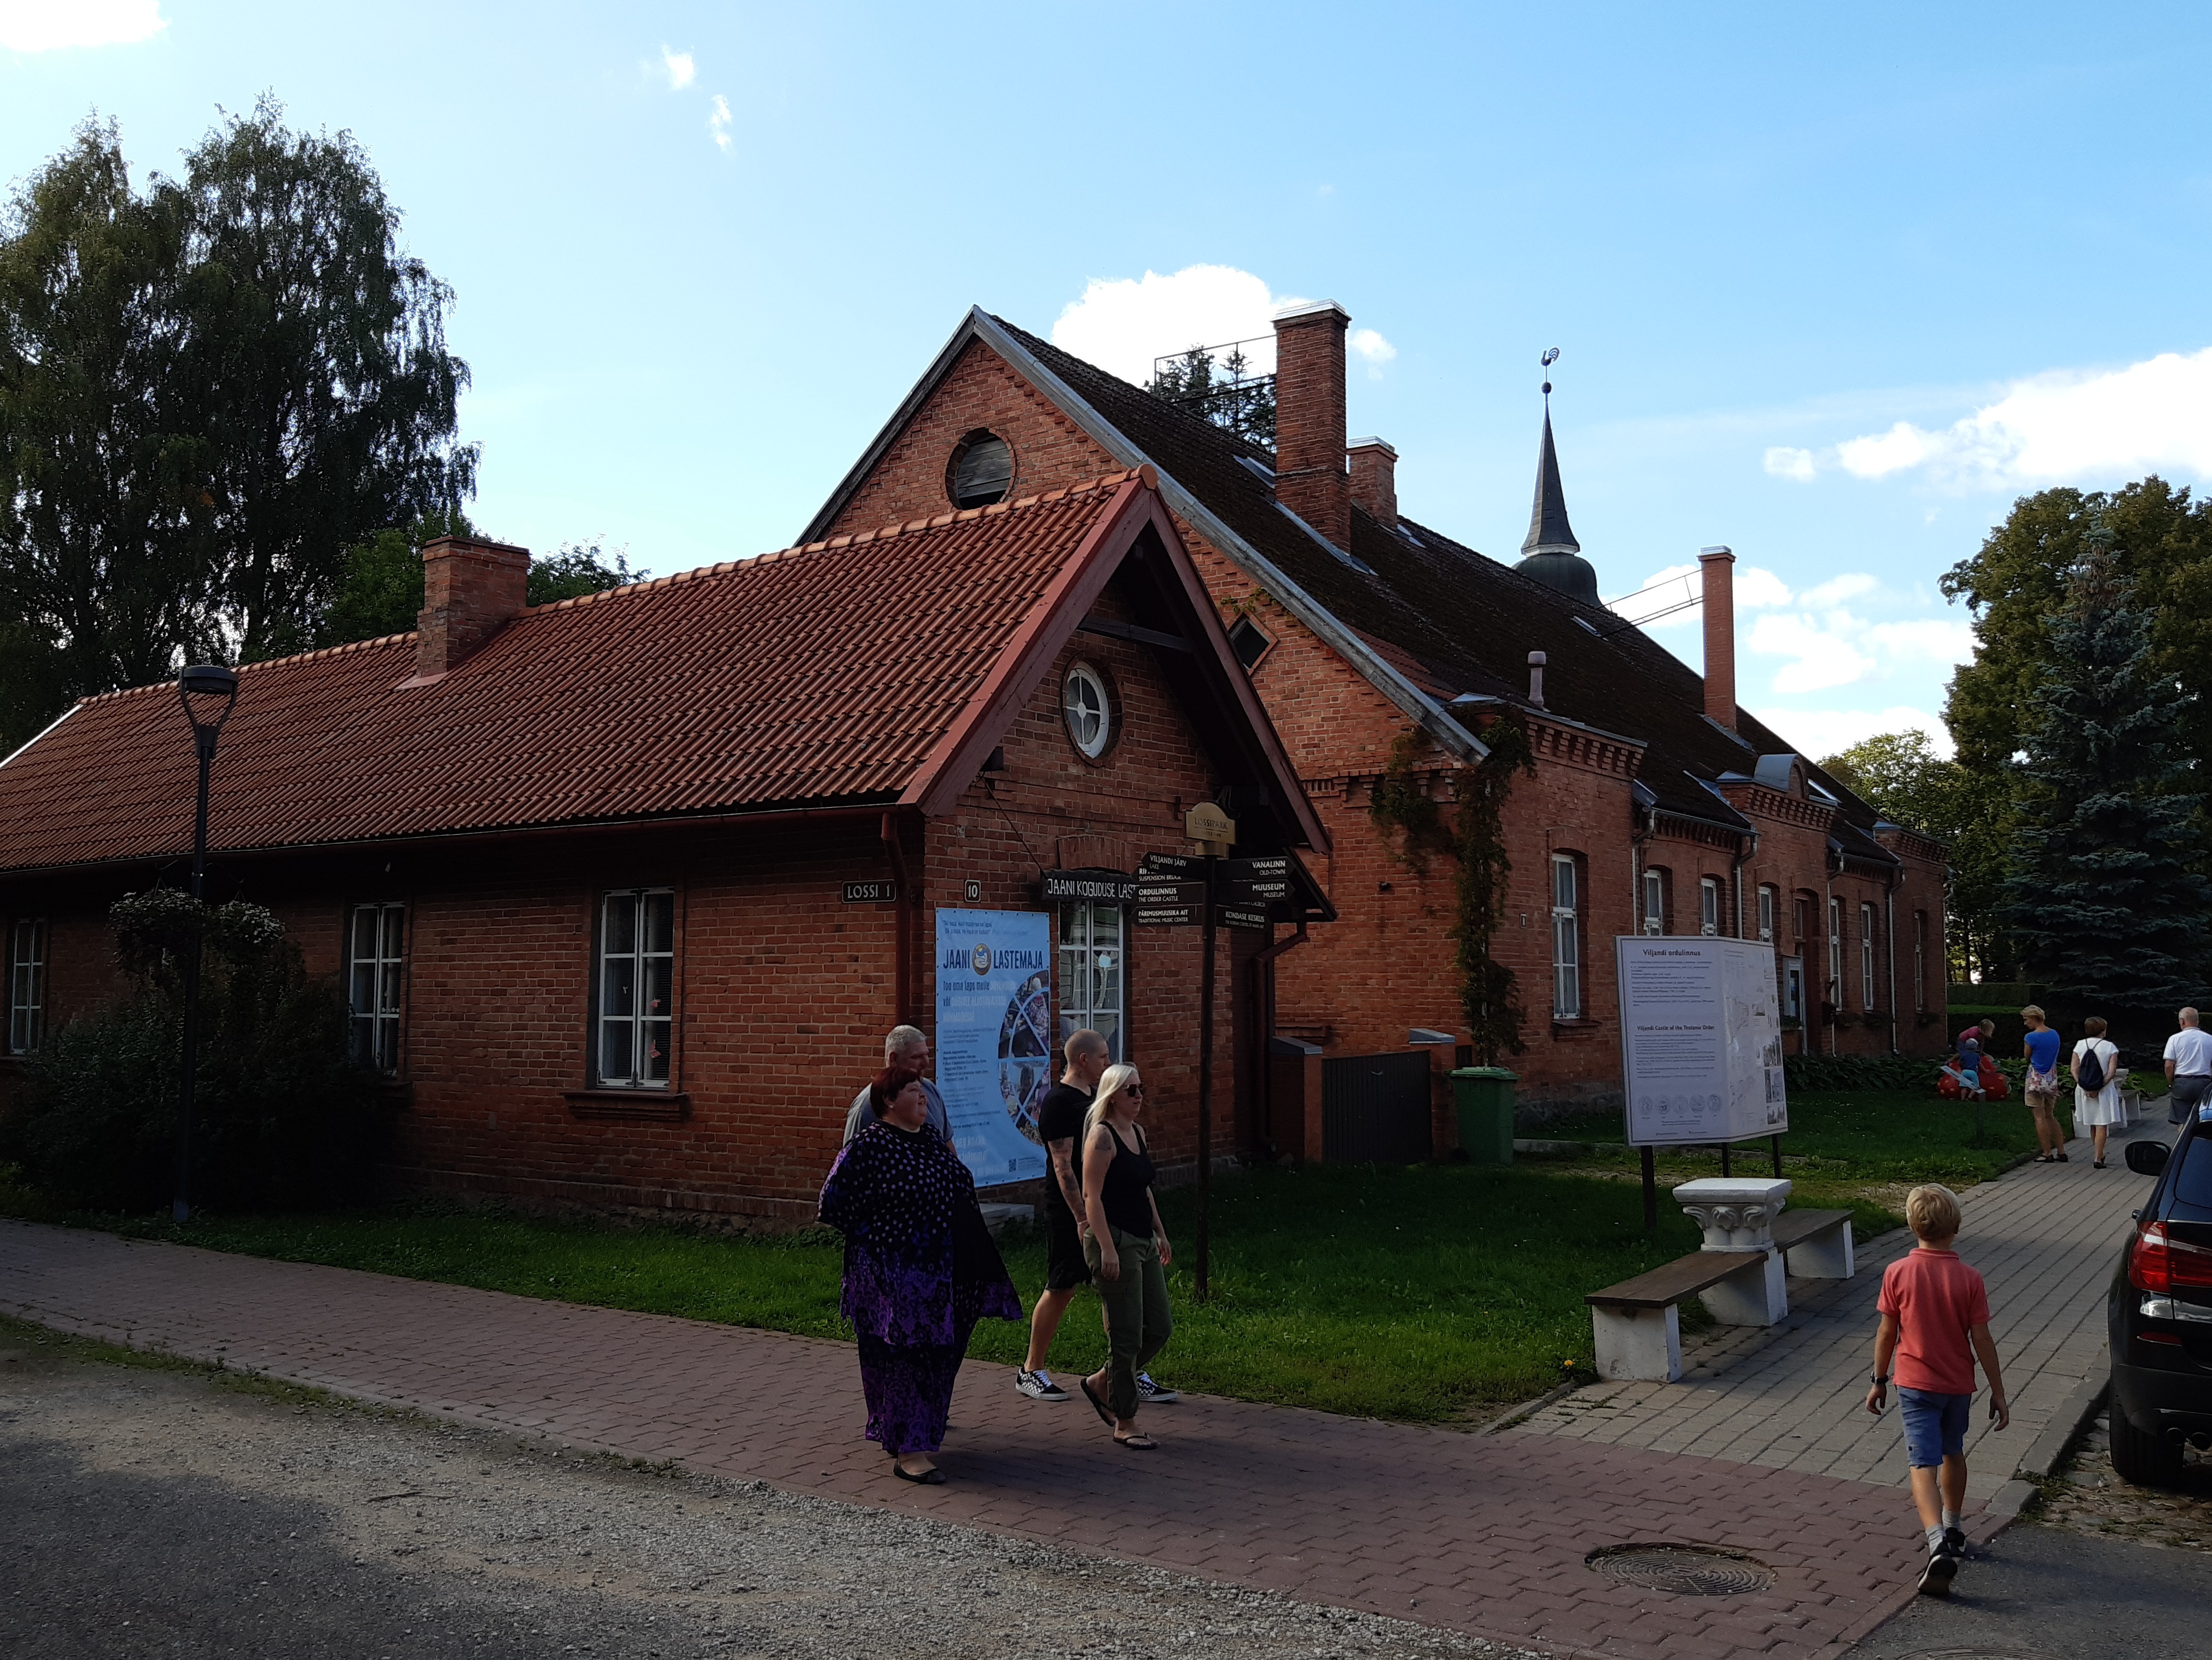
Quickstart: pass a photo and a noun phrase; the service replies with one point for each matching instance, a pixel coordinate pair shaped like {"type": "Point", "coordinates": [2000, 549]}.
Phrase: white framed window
{"type": "Point", "coordinates": [1093, 973]}
{"type": "Point", "coordinates": [1920, 962]}
{"type": "Point", "coordinates": [1766, 915]}
{"type": "Point", "coordinates": [637, 986]}
{"type": "Point", "coordinates": [1866, 999]}
{"type": "Point", "coordinates": [1088, 709]}
{"type": "Point", "coordinates": [1836, 953]}
{"type": "Point", "coordinates": [376, 953]}
{"type": "Point", "coordinates": [1655, 901]}
{"type": "Point", "coordinates": [1709, 905]}
{"type": "Point", "coordinates": [1566, 939]}
{"type": "Point", "coordinates": [26, 984]}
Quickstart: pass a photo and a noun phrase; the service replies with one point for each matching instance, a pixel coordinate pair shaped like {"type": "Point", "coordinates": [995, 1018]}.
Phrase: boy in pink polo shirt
{"type": "Point", "coordinates": [1935, 1323]}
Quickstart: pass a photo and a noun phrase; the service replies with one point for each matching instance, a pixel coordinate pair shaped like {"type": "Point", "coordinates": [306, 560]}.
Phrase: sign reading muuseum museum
{"type": "Point", "coordinates": [1701, 1040]}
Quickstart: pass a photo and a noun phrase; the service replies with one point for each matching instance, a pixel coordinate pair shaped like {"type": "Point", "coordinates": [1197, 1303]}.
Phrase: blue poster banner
{"type": "Point", "coordinates": [994, 1037]}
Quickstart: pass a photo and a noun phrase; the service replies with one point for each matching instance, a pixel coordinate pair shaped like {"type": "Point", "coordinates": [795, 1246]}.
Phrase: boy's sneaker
{"type": "Point", "coordinates": [1153, 1395]}
{"type": "Point", "coordinates": [1955, 1542]}
{"type": "Point", "coordinates": [1942, 1567]}
{"type": "Point", "coordinates": [1038, 1386]}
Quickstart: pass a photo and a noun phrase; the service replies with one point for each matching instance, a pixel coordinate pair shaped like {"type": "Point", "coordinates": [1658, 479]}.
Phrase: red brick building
{"type": "Point", "coordinates": [628, 889]}
{"type": "Point", "coordinates": [1657, 806]}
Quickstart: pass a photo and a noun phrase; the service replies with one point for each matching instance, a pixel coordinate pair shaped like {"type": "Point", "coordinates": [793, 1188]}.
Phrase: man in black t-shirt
{"type": "Point", "coordinates": [1060, 1125]}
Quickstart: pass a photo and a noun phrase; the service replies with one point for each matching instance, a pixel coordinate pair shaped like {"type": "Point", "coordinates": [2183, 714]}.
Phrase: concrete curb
{"type": "Point", "coordinates": [2066, 1426]}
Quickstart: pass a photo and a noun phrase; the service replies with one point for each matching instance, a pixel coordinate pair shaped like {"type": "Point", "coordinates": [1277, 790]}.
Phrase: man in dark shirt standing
{"type": "Point", "coordinates": [1060, 1125]}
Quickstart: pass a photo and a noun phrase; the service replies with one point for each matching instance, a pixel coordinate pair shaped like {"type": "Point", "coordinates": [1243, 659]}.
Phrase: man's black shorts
{"type": "Point", "coordinates": [1064, 1266]}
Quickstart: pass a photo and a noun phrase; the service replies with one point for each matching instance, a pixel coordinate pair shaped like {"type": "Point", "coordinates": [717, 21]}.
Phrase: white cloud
{"type": "Point", "coordinates": [47, 25]}
{"type": "Point", "coordinates": [1822, 649]}
{"type": "Point", "coordinates": [1122, 324]}
{"type": "Point", "coordinates": [2067, 426]}
{"type": "Point", "coordinates": [1784, 462]}
{"type": "Point", "coordinates": [1374, 348]}
{"type": "Point", "coordinates": [1935, 639]}
{"type": "Point", "coordinates": [679, 68]}
{"type": "Point", "coordinates": [1818, 732]}
{"type": "Point", "coordinates": [719, 122]}
{"type": "Point", "coordinates": [1852, 584]}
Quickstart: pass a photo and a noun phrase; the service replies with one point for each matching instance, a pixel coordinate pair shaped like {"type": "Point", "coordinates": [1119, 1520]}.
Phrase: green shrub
{"type": "Point", "coordinates": [282, 1117]}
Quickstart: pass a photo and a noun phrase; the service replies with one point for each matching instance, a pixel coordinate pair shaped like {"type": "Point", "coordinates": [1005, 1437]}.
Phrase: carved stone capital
{"type": "Point", "coordinates": [1735, 1215]}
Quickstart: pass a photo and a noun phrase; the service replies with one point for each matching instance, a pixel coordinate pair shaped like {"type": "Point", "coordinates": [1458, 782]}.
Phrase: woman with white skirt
{"type": "Point", "coordinates": [2097, 1110]}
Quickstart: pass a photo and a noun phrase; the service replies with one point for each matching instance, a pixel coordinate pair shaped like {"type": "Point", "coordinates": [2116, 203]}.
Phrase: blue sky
{"type": "Point", "coordinates": [1831, 285]}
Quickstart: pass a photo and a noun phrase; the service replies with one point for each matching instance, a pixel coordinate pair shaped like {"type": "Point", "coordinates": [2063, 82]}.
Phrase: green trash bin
{"type": "Point", "coordinates": [1482, 1101]}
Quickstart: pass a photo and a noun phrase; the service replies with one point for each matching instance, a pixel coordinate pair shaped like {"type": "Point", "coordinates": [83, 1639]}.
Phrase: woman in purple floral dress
{"type": "Point", "coordinates": [921, 1270]}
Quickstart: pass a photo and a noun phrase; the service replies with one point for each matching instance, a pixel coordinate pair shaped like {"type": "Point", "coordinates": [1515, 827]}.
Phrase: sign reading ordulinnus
{"type": "Point", "coordinates": [994, 1036]}
{"type": "Point", "coordinates": [1701, 1039]}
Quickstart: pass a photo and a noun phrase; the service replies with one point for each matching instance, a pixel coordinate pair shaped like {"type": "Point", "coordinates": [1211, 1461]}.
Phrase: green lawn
{"type": "Point", "coordinates": [1417, 1294]}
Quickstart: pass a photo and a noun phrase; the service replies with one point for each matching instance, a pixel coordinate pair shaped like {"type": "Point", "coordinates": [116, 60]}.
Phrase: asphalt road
{"type": "Point", "coordinates": [2045, 1593]}
{"type": "Point", "coordinates": [164, 1512]}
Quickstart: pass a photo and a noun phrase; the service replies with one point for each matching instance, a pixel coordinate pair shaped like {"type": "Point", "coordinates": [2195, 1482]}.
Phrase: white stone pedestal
{"type": "Point", "coordinates": [1824, 1256]}
{"type": "Point", "coordinates": [1643, 1344]}
{"type": "Point", "coordinates": [1739, 1215]}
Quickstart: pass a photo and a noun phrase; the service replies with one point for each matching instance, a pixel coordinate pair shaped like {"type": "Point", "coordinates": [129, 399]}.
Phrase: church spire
{"type": "Point", "coordinates": [1552, 554]}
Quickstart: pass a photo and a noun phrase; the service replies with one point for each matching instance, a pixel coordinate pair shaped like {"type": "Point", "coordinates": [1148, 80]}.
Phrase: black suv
{"type": "Point", "coordinates": [2159, 1312]}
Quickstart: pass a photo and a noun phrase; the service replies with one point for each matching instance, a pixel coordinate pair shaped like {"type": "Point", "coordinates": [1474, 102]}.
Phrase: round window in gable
{"type": "Point", "coordinates": [982, 471]}
{"type": "Point", "coordinates": [1089, 710]}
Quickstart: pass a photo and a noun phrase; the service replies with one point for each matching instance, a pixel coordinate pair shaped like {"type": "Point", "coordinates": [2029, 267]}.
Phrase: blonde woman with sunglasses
{"type": "Point", "coordinates": [1126, 1248]}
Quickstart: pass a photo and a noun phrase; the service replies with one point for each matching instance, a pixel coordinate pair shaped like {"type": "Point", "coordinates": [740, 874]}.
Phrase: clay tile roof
{"type": "Point", "coordinates": [817, 676]}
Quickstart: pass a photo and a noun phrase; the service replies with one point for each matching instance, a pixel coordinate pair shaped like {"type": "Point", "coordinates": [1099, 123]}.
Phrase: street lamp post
{"type": "Point", "coordinates": [198, 689]}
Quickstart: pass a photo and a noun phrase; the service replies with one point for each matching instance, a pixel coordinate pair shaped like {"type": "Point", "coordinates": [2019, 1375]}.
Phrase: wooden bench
{"type": "Point", "coordinates": [1816, 1244]}
{"type": "Point", "coordinates": [1636, 1322]}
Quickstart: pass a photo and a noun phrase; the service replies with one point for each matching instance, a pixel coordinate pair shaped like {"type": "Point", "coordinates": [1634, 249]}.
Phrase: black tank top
{"type": "Point", "coordinates": [1126, 1195]}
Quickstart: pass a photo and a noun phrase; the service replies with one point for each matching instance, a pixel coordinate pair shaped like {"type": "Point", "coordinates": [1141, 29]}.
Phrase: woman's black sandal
{"type": "Point", "coordinates": [1090, 1395]}
{"type": "Point", "coordinates": [928, 1478]}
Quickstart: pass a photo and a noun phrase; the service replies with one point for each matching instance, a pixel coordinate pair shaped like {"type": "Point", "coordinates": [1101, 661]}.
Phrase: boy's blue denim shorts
{"type": "Point", "coordinates": [1934, 1425]}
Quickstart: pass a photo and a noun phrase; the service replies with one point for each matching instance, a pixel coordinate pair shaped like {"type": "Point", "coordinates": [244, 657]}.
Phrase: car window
{"type": "Point", "coordinates": [2192, 1182]}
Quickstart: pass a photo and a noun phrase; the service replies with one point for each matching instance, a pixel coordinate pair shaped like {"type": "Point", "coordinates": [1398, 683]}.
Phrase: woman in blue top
{"type": "Point", "coordinates": [2042, 1091]}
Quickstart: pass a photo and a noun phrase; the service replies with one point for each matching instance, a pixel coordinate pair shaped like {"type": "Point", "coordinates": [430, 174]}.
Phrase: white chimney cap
{"type": "Point", "coordinates": [1310, 308]}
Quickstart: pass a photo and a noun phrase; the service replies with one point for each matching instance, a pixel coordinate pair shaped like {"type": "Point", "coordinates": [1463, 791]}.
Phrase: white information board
{"type": "Point", "coordinates": [1701, 1040]}
{"type": "Point", "coordinates": [994, 1036]}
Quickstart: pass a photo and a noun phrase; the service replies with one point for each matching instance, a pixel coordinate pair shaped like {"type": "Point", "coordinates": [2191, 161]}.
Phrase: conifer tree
{"type": "Point", "coordinates": [2106, 895]}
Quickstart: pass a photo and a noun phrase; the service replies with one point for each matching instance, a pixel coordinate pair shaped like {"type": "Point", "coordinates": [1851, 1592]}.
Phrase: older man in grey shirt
{"type": "Point", "coordinates": [907, 1047]}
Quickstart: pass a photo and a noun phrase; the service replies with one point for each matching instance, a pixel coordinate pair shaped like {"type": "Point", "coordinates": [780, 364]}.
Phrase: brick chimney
{"type": "Point", "coordinates": [471, 590]}
{"type": "Point", "coordinates": [1717, 566]}
{"type": "Point", "coordinates": [1375, 479]}
{"type": "Point", "coordinates": [1309, 476]}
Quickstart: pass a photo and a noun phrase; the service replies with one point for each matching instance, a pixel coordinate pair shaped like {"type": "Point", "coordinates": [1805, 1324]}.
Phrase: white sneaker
{"type": "Point", "coordinates": [1038, 1386]}
{"type": "Point", "coordinates": [1153, 1395]}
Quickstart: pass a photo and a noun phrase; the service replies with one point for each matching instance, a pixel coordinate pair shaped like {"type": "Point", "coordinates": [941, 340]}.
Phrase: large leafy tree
{"type": "Point", "coordinates": [2108, 896]}
{"type": "Point", "coordinates": [2162, 544]}
{"type": "Point", "coordinates": [1899, 775]}
{"type": "Point", "coordinates": [210, 391]}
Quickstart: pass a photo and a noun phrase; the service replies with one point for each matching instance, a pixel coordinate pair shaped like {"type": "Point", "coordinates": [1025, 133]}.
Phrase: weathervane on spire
{"type": "Point", "coordinates": [1551, 357]}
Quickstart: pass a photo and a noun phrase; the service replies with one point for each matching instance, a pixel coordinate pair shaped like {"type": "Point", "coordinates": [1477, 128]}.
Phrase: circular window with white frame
{"type": "Point", "coordinates": [1088, 707]}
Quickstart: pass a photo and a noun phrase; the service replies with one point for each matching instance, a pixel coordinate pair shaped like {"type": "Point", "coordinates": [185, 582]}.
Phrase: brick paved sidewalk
{"type": "Point", "coordinates": [2043, 1235]}
{"type": "Point", "coordinates": [1485, 1534]}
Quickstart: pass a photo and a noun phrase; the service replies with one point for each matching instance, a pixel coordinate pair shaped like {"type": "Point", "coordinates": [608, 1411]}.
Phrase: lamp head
{"type": "Point", "coordinates": [208, 679]}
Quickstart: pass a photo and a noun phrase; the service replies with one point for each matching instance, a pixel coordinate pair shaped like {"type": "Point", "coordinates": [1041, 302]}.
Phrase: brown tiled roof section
{"type": "Point", "coordinates": [1467, 622]}
{"type": "Point", "coordinates": [819, 675]}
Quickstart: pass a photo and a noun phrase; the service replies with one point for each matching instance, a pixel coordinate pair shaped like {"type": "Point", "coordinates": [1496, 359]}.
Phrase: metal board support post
{"type": "Point", "coordinates": [1205, 1091]}
{"type": "Point", "coordinates": [1778, 1153]}
{"type": "Point", "coordinates": [1650, 1193]}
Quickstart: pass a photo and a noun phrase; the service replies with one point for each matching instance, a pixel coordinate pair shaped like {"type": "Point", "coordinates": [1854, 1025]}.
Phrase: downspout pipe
{"type": "Point", "coordinates": [1747, 849]}
{"type": "Point", "coordinates": [1895, 878]}
{"type": "Point", "coordinates": [1263, 970]}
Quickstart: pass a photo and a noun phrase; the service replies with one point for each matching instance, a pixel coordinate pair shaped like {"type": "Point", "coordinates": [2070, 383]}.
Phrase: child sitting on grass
{"type": "Point", "coordinates": [1935, 1322]}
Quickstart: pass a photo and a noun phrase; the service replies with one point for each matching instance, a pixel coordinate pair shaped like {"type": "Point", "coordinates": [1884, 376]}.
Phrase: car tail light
{"type": "Point", "coordinates": [2160, 1262]}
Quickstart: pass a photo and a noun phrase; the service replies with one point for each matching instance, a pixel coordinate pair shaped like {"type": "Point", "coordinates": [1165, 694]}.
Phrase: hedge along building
{"type": "Point", "coordinates": [1377, 644]}
{"type": "Point", "coordinates": [608, 877]}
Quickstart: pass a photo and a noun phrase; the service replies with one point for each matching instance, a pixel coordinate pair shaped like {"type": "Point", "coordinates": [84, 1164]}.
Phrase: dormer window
{"type": "Point", "coordinates": [982, 471]}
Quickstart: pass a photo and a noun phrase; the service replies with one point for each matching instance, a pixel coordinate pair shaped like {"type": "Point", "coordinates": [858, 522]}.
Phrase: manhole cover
{"type": "Point", "coordinates": [1686, 1570]}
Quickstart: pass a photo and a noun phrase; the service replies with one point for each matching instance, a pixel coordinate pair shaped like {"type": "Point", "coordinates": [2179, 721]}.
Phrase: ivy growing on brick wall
{"type": "Point", "coordinates": [1475, 842]}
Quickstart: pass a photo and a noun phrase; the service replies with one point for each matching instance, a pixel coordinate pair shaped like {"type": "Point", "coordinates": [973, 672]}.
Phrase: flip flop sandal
{"type": "Point", "coordinates": [1137, 1442]}
{"type": "Point", "coordinates": [1091, 1394]}
{"type": "Point", "coordinates": [929, 1477]}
